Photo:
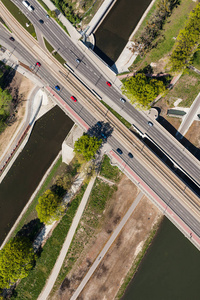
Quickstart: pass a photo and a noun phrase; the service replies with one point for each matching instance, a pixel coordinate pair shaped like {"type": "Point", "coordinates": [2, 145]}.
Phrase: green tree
{"type": "Point", "coordinates": [142, 89]}
{"type": "Point", "coordinates": [48, 207]}
{"type": "Point", "coordinates": [16, 259]}
{"type": "Point", "coordinates": [5, 99]}
{"type": "Point", "coordinates": [87, 146]}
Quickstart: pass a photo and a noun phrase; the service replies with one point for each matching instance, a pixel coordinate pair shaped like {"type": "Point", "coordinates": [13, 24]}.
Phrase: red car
{"type": "Point", "coordinates": [38, 64]}
{"type": "Point", "coordinates": [108, 83]}
{"type": "Point", "coordinates": [73, 98]}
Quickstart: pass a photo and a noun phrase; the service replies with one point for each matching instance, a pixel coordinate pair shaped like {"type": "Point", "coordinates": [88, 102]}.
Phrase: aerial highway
{"type": "Point", "coordinates": [97, 78]}
{"type": "Point", "coordinates": [164, 183]}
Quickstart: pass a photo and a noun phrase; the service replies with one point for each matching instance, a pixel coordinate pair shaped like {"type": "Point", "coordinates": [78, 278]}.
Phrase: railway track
{"type": "Point", "coordinates": [137, 147]}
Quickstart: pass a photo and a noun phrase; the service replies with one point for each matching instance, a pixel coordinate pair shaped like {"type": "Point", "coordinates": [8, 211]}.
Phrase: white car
{"type": "Point", "coordinates": [31, 8]}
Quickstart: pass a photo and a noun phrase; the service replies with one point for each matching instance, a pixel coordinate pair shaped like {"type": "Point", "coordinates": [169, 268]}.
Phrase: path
{"type": "Point", "coordinates": [189, 117]}
{"type": "Point", "coordinates": [106, 247]}
{"type": "Point", "coordinates": [51, 280]}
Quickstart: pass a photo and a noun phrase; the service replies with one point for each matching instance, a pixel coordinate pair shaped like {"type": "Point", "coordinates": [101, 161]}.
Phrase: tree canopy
{"type": "Point", "coordinates": [87, 146]}
{"type": "Point", "coordinates": [48, 207]}
{"type": "Point", "coordinates": [142, 89]}
{"type": "Point", "coordinates": [16, 259]}
{"type": "Point", "coordinates": [187, 42]}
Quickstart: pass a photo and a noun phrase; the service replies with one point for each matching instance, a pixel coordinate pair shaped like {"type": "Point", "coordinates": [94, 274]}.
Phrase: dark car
{"type": "Point", "coordinates": [122, 100]}
{"type": "Point", "coordinates": [12, 39]}
{"type": "Point", "coordinates": [57, 87]}
{"type": "Point", "coordinates": [41, 21]}
{"type": "Point", "coordinates": [119, 151]}
{"type": "Point", "coordinates": [130, 155]}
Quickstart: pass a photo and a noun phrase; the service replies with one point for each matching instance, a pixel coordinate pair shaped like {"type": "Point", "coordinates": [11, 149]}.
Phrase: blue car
{"type": "Point", "coordinates": [103, 135]}
{"type": "Point", "coordinates": [99, 124]}
{"type": "Point", "coordinates": [57, 87]}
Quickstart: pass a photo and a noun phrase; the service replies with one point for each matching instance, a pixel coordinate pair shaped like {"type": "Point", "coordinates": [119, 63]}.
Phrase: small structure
{"type": "Point", "coordinates": [68, 144]}
{"type": "Point", "coordinates": [176, 113]}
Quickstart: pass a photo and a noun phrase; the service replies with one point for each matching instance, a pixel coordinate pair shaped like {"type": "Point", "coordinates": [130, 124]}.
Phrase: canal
{"type": "Point", "coordinates": [113, 34]}
{"type": "Point", "coordinates": [170, 269]}
{"type": "Point", "coordinates": [30, 166]}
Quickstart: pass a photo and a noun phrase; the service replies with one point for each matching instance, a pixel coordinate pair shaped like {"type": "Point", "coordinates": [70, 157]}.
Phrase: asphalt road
{"type": "Point", "coordinates": [134, 164]}
{"type": "Point", "coordinates": [65, 47]}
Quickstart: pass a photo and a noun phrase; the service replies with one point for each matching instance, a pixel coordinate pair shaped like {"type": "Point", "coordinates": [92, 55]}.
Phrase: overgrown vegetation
{"type": "Point", "coordinates": [87, 146]}
{"type": "Point", "coordinates": [170, 30]}
{"type": "Point", "coordinates": [108, 171]}
{"type": "Point", "coordinates": [19, 16]}
{"type": "Point", "coordinates": [148, 38]}
{"type": "Point", "coordinates": [17, 258]}
{"type": "Point", "coordinates": [142, 90]}
{"type": "Point", "coordinates": [30, 287]}
{"type": "Point", "coordinates": [187, 42]}
{"type": "Point", "coordinates": [66, 7]}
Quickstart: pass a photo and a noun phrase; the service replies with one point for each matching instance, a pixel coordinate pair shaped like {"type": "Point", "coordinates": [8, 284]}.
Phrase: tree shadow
{"type": "Point", "coordinates": [101, 130]}
{"type": "Point", "coordinates": [31, 229]}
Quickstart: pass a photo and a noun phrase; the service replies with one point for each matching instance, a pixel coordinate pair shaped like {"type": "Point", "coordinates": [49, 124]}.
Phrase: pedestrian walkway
{"type": "Point", "coordinates": [74, 34]}
{"type": "Point", "coordinates": [106, 247]}
{"type": "Point", "coordinates": [54, 274]}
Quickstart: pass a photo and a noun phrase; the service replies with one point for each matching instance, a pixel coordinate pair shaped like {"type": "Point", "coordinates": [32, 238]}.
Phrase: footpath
{"type": "Point", "coordinates": [56, 269]}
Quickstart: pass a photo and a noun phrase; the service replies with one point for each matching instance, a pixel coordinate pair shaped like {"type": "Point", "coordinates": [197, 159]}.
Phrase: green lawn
{"type": "Point", "coordinates": [19, 16]}
{"type": "Point", "coordinates": [55, 54]}
{"type": "Point", "coordinates": [108, 171]}
{"type": "Point", "coordinates": [30, 287]}
{"type": "Point", "coordinates": [171, 29]}
{"type": "Point", "coordinates": [126, 123]}
{"type": "Point", "coordinates": [187, 88]}
{"type": "Point", "coordinates": [89, 224]}
{"type": "Point", "coordinates": [196, 60]}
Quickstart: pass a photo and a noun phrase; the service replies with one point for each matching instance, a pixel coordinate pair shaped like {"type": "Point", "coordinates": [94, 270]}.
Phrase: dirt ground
{"type": "Point", "coordinates": [110, 274]}
{"type": "Point", "coordinates": [21, 86]}
{"type": "Point", "coordinates": [193, 134]}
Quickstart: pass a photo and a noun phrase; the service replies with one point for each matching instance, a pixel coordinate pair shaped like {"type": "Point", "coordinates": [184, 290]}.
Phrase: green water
{"type": "Point", "coordinates": [170, 269]}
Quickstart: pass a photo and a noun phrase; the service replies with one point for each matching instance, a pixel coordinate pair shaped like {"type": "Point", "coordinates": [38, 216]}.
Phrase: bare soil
{"type": "Point", "coordinates": [19, 89]}
{"type": "Point", "coordinates": [110, 275]}
{"type": "Point", "coordinates": [193, 134]}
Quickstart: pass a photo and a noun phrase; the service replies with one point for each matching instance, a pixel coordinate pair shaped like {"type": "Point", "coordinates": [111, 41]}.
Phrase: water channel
{"type": "Point", "coordinates": [113, 34]}
{"type": "Point", "coordinates": [169, 271]}
{"type": "Point", "coordinates": [30, 166]}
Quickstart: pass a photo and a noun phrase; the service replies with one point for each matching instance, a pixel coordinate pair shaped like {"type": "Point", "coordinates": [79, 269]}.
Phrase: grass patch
{"type": "Point", "coordinates": [196, 60]}
{"type": "Point", "coordinates": [91, 220]}
{"type": "Point", "coordinates": [55, 54]}
{"type": "Point", "coordinates": [108, 171]}
{"type": "Point", "coordinates": [19, 16]}
{"type": "Point", "coordinates": [43, 5]}
{"type": "Point", "coordinates": [137, 262]}
{"type": "Point", "coordinates": [171, 29]}
{"type": "Point", "coordinates": [30, 287]}
{"type": "Point", "coordinates": [126, 123]}
{"type": "Point", "coordinates": [187, 88]}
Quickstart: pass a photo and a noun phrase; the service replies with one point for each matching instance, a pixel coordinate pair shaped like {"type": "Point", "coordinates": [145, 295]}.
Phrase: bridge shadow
{"type": "Point", "coordinates": [185, 142]}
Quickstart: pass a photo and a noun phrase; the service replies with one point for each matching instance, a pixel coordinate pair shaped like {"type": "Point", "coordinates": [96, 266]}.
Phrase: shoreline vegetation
{"type": "Point", "coordinates": [136, 263]}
